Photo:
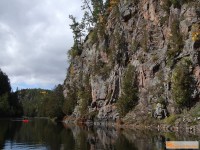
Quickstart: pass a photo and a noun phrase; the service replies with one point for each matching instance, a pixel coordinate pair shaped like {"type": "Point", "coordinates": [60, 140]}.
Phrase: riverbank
{"type": "Point", "coordinates": [175, 123]}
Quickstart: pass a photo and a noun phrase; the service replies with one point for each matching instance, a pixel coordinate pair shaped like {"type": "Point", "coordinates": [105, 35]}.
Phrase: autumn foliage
{"type": "Point", "coordinates": [112, 4]}
{"type": "Point", "coordinates": [196, 36]}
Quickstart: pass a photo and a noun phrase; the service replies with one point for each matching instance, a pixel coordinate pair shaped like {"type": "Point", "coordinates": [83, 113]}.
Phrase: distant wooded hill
{"type": "Point", "coordinates": [30, 102]}
{"type": "Point", "coordinates": [42, 103]}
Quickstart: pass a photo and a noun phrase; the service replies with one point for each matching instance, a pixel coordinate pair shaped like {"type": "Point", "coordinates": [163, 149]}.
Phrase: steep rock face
{"type": "Point", "coordinates": [152, 37]}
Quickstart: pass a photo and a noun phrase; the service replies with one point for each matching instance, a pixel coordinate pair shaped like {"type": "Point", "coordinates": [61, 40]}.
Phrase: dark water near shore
{"type": "Point", "coordinates": [42, 134]}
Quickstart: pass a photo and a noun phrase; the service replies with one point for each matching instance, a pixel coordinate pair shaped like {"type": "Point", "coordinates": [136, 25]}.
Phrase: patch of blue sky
{"type": "Point", "coordinates": [20, 86]}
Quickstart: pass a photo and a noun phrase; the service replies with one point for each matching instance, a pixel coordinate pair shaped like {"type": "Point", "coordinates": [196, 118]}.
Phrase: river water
{"type": "Point", "coordinates": [42, 134]}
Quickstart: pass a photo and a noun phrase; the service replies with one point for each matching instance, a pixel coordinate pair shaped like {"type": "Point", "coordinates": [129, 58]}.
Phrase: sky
{"type": "Point", "coordinates": [34, 39]}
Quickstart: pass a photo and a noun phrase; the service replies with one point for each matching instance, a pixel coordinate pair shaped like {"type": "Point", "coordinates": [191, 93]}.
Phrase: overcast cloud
{"type": "Point", "coordinates": [34, 39]}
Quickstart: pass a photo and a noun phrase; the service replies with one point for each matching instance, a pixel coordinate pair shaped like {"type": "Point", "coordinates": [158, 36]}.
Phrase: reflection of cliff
{"type": "Point", "coordinates": [47, 135]}
{"type": "Point", "coordinates": [94, 138]}
{"type": "Point", "coordinates": [99, 138]}
{"type": "Point", "coordinates": [145, 139]}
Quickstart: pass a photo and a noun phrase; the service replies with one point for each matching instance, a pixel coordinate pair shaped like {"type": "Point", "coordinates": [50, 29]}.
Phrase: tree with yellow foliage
{"type": "Point", "coordinates": [110, 4]}
{"type": "Point", "coordinates": [113, 3]}
{"type": "Point", "coordinates": [196, 32]}
{"type": "Point", "coordinates": [196, 36]}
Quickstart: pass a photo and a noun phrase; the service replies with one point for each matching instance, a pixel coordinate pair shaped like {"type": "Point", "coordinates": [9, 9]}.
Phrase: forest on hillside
{"type": "Point", "coordinates": [30, 102]}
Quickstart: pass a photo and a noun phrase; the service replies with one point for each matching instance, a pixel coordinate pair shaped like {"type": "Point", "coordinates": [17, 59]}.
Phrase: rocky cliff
{"type": "Point", "coordinates": [155, 44]}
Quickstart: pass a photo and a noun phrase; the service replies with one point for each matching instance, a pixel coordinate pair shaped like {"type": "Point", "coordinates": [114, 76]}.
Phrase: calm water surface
{"type": "Point", "coordinates": [42, 134]}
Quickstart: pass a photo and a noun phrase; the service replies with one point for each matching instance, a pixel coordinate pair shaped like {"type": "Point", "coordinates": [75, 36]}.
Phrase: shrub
{"type": "Point", "coordinates": [166, 5]}
{"type": "Point", "coordinates": [129, 96]}
{"type": "Point", "coordinates": [171, 119]}
{"type": "Point", "coordinates": [179, 3]}
{"type": "Point", "coordinates": [93, 36]}
{"type": "Point", "coordinates": [76, 50]}
{"type": "Point", "coordinates": [102, 69]}
{"type": "Point", "coordinates": [195, 111]}
{"type": "Point", "coordinates": [134, 45]}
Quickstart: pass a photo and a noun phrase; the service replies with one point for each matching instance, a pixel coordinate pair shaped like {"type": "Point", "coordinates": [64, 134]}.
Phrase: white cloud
{"type": "Point", "coordinates": [34, 39]}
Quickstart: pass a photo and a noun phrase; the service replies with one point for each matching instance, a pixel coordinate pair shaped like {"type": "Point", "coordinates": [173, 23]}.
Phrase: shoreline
{"type": "Point", "coordinates": [158, 126]}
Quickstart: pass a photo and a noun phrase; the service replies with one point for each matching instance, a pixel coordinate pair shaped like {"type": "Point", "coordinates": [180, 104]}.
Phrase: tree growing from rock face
{"type": "Point", "coordinates": [78, 31]}
{"type": "Point", "coordinates": [129, 97]}
{"type": "Point", "coordinates": [175, 41]}
{"type": "Point", "coordinates": [95, 8]}
{"type": "Point", "coordinates": [182, 84]}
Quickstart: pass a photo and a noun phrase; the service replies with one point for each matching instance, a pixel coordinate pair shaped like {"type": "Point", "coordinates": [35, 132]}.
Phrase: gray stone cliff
{"type": "Point", "coordinates": [149, 35]}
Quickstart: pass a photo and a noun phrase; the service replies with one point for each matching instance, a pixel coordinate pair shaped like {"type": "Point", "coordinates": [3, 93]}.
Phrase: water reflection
{"type": "Point", "coordinates": [112, 139]}
{"type": "Point", "coordinates": [43, 134]}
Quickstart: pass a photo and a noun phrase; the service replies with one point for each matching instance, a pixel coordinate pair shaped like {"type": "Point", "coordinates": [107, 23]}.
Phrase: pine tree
{"type": "Point", "coordinates": [182, 84]}
{"type": "Point", "coordinates": [5, 90]}
{"type": "Point", "coordinates": [129, 97]}
{"type": "Point", "coordinates": [78, 31]}
{"type": "Point", "coordinates": [4, 83]}
{"type": "Point", "coordinates": [95, 8]}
